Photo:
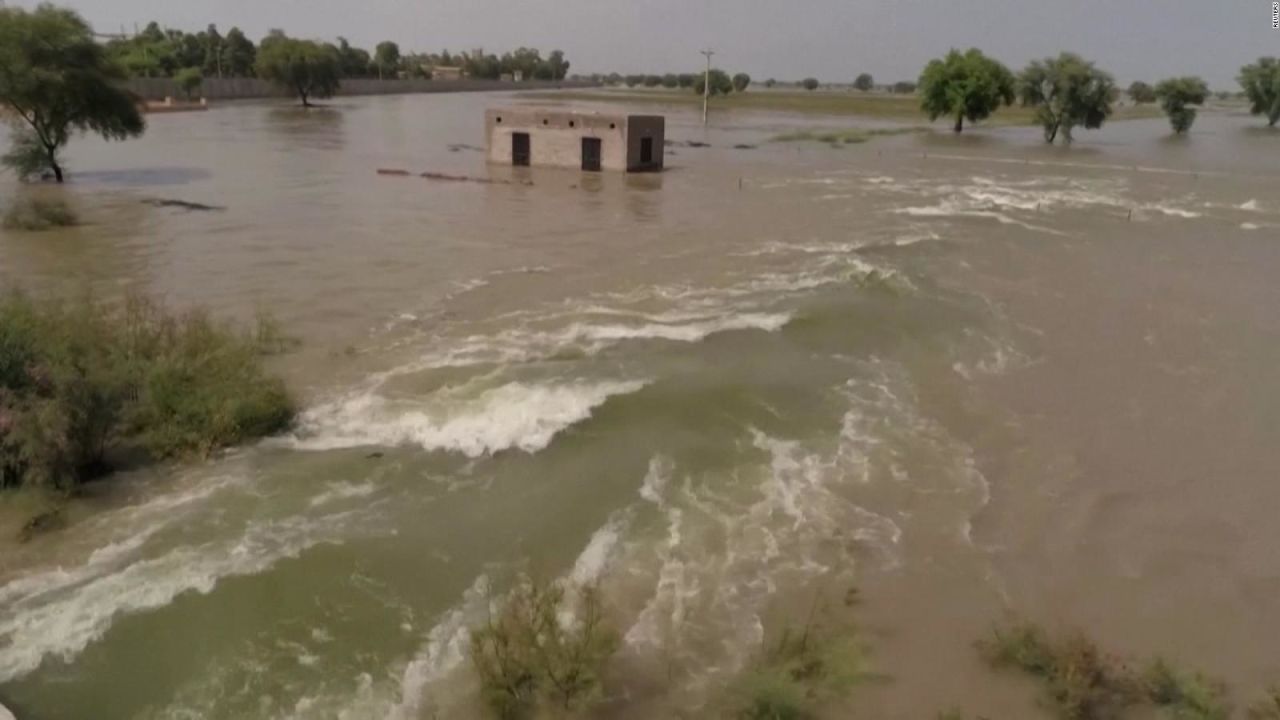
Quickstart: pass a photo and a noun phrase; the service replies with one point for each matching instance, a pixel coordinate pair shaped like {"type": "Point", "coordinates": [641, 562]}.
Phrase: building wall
{"type": "Point", "coordinates": [248, 88]}
{"type": "Point", "coordinates": [646, 126]}
{"type": "Point", "coordinates": [555, 138]}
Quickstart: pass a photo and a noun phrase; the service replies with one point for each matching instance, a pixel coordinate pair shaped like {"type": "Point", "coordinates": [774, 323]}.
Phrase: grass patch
{"type": "Point", "coordinates": [533, 661]}
{"type": "Point", "coordinates": [806, 669]}
{"type": "Point", "coordinates": [1083, 683]}
{"type": "Point", "coordinates": [83, 381]}
{"type": "Point", "coordinates": [874, 105]}
{"type": "Point", "coordinates": [836, 138]}
{"type": "Point", "coordinates": [36, 214]}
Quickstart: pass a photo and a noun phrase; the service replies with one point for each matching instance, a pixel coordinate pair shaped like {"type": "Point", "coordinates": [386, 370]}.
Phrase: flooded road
{"type": "Point", "coordinates": [969, 376]}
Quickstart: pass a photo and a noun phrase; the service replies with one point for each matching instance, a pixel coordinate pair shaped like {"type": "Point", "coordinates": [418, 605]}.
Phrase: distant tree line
{"type": "Point", "coordinates": [1068, 92]}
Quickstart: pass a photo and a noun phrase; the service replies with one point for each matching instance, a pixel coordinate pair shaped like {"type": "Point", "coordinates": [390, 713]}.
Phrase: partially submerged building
{"type": "Point", "coordinates": [586, 141]}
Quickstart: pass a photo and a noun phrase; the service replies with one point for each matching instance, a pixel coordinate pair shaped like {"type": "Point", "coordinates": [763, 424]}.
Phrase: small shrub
{"type": "Point", "coordinates": [1268, 708]}
{"type": "Point", "coordinates": [1187, 696]}
{"type": "Point", "coordinates": [37, 214]}
{"type": "Point", "coordinates": [1081, 682]}
{"type": "Point", "coordinates": [801, 673]}
{"type": "Point", "coordinates": [531, 662]}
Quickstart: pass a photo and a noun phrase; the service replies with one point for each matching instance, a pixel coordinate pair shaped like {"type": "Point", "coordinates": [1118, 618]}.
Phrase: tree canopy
{"type": "Point", "coordinates": [809, 84]}
{"type": "Point", "coordinates": [1261, 83]}
{"type": "Point", "coordinates": [864, 82]}
{"type": "Point", "coordinates": [1066, 91]}
{"type": "Point", "coordinates": [55, 79]}
{"type": "Point", "coordinates": [963, 86]}
{"type": "Point", "coordinates": [387, 57]}
{"type": "Point", "coordinates": [741, 82]}
{"type": "Point", "coordinates": [720, 82]}
{"type": "Point", "coordinates": [307, 68]}
{"type": "Point", "coordinates": [1141, 93]}
{"type": "Point", "coordinates": [1177, 95]}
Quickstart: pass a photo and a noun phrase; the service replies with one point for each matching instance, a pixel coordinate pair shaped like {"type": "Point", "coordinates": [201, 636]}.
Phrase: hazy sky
{"type": "Point", "coordinates": [833, 40]}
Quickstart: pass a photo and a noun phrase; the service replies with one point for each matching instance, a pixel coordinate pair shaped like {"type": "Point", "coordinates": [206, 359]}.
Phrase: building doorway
{"type": "Point", "coordinates": [646, 151]}
{"type": "Point", "coordinates": [591, 152]}
{"type": "Point", "coordinates": [520, 152]}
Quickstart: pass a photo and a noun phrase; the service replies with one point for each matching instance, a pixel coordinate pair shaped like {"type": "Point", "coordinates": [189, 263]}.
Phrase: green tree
{"type": "Point", "coordinates": [741, 82]}
{"type": "Point", "coordinates": [1141, 93]}
{"type": "Point", "coordinates": [240, 56]}
{"type": "Point", "coordinates": [864, 82]}
{"type": "Point", "coordinates": [1261, 83]}
{"type": "Point", "coordinates": [670, 81]}
{"type": "Point", "coordinates": [904, 87]}
{"type": "Point", "coordinates": [55, 79]}
{"type": "Point", "coordinates": [557, 65]}
{"type": "Point", "coordinates": [810, 84]}
{"type": "Point", "coordinates": [214, 45]}
{"type": "Point", "coordinates": [770, 83]}
{"type": "Point", "coordinates": [1066, 91]}
{"type": "Point", "coordinates": [353, 61]}
{"type": "Point", "coordinates": [387, 57]}
{"type": "Point", "coordinates": [1177, 95]}
{"type": "Point", "coordinates": [652, 81]}
{"type": "Point", "coordinates": [965, 85]}
{"type": "Point", "coordinates": [307, 68]}
{"type": "Point", "coordinates": [190, 80]}
{"type": "Point", "coordinates": [687, 80]}
{"type": "Point", "coordinates": [721, 83]}
{"type": "Point", "coordinates": [633, 80]}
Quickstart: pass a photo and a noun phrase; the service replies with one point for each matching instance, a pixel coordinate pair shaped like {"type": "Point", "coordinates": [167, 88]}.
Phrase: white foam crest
{"type": "Point", "coordinates": [443, 652]}
{"type": "Point", "coordinates": [343, 491]}
{"type": "Point", "coordinates": [64, 623]}
{"type": "Point", "coordinates": [517, 415]}
{"type": "Point", "coordinates": [594, 558]}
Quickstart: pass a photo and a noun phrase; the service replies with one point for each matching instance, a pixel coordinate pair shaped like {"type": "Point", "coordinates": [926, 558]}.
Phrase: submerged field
{"type": "Point", "coordinates": [913, 388]}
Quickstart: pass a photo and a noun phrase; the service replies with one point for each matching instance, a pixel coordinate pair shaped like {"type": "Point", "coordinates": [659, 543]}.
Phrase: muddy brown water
{"type": "Point", "coordinates": [972, 377]}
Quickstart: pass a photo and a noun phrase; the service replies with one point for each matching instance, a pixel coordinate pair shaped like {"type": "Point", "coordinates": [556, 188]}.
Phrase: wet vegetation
{"type": "Point", "coordinates": [541, 655]}
{"type": "Point", "coordinates": [85, 382]}
{"type": "Point", "coordinates": [34, 214]}
{"type": "Point", "coordinates": [1082, 682]}
{"type": "Point", "coordinates": [852, 136]}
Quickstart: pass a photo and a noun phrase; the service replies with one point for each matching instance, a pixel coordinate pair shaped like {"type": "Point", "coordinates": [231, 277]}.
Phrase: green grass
{"type": "Point", "coordinates": [82, 382]}
{"type": "Point", "coordinates": [905, 108]}
{"type": "Point", "coordinates": [33, 214]}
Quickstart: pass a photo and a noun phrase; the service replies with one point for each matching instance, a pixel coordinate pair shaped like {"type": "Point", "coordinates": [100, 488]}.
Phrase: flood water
{"type": "Point", "coordinates": [973, 377]}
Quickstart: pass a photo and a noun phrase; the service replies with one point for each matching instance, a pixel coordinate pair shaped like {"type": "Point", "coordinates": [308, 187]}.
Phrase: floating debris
{"type": "Point", "coordinates": [459, 147]}
{"type": "Point", "coordinates": [182, 205]}
{"type": "Point", "coordinates": [397, 172]}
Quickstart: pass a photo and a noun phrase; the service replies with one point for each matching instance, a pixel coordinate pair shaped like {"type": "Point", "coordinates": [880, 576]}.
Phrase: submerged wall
{"type": "Point", "coordinates": [247, 88]}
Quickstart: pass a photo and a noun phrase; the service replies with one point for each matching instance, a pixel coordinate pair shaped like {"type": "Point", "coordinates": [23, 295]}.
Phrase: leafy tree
{"type": "Point", "coordinates": [1141, 93]}
{"type": "Point", "coordinates": [741, 81]}
{"type": "Point", "coordinates": [670, 80]}
{"type": "Point", "coordinates": [214, 45]}
{"type": "Point", "coordinates": [239, 54]}
{"type": "Point", "coordinates": [1177, 95]}
{"type": "Point", "coordinates": [387, 57]}
{"type": "Point", "coordinates": [770, 83]}
{"type": "Point", "coordinates": [1261, 83]}
{"type": "Point", "coordinates": [864, 82]}
{"type": "Point", "coordinates": [1067, 91]}
{"type": "Point", "coordinates": [55, 78]}
{"type": "Point", "coordinates": [190, 80]}
{"type": "Point", "coordinates": [634, 80]}
{"type": "Point", "coordinates": [353, 61]}
{"type": "Point", "coordinates": [965, 85]}
{"type": "Point", "coordinates": [904, 87]}
{"type": "Point", "coordinates": [687, 80]}
{"type": "Point", "coordinates": [721, 83]}
{"type": "Point", "coordinates": [809, 84]}
{"type": "Point", "coordinates": [307, 68]}
{"type": "Point", "coordinates": [557, 65]}
{"type": "Point", "coordinates": [652, 80]}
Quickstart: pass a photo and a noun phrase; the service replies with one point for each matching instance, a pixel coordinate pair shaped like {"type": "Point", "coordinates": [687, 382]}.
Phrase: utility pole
{"type": "Point", "coordinates": [706, 86]}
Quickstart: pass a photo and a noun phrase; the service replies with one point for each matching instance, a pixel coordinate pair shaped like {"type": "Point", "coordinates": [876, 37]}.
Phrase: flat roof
{"type": "Point", "coordinates": [540, 112]}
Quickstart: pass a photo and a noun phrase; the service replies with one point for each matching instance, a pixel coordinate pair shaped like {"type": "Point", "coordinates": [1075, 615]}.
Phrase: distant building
{"type": "Point", "coordinates": [446, 72]}
{"type": "Point", "coordinates": [586, 141]}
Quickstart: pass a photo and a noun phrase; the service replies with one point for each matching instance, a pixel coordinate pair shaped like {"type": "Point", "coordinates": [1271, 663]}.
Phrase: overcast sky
{"type": "Point", "coordinates": [833, 40]}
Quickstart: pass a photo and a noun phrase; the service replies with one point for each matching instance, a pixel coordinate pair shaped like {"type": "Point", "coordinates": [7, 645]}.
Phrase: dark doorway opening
{"type": "Point", "coordinates": [646, 151]}
{"type": "Point", "coordinates": [591, 152]}
{"type": "Point", "coordinates": [520, 153]}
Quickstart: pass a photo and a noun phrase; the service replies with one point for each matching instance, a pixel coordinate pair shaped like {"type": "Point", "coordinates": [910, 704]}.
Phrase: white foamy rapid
{"type": "Point", "coordinates": [60, 618]}
{"type": "Point", "coordinates": [518, 415]}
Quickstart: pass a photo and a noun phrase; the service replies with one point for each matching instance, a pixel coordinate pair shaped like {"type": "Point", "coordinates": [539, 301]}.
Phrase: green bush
{"type": "Point", "coordinates": [27, 157]}
{"type": "Point", "coordinates": [800, 674]}
{"type": "Point", "coordinates": [1187, 696]}
{"type": "Point", "coordinates": [1268, 709]}
{"type": "Point", "coordinates": [80, 380]}
{"type": "Point", "coordinates": [530, 663]}
{"type": "Point", "coordinates": [36, 214]}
